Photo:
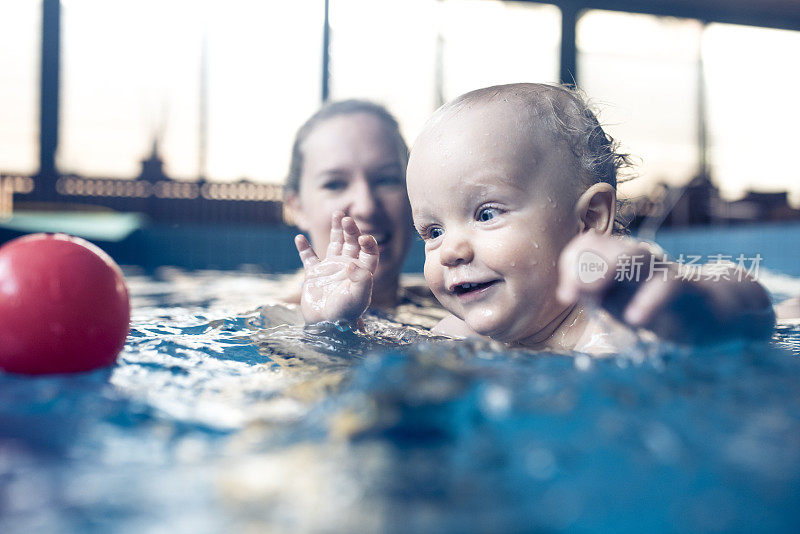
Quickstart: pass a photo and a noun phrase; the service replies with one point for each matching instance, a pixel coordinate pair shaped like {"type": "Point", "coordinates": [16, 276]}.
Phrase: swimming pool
{"type": "Point", "coordinates": [223, 414]}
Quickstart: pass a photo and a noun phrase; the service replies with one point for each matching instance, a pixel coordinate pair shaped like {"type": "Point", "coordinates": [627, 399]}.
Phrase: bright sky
{"type": "Point", "coordinates": [131, 70]}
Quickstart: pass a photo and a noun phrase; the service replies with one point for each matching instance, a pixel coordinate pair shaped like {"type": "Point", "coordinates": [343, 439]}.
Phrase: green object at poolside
{"type": "Point", "coordinates": [94, 226]}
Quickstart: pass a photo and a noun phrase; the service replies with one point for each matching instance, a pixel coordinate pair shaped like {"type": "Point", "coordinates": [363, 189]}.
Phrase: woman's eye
{"type": "Point", "coordinates": [388, 179]}
{"type": "Point", "coordinates": [487, 214]}
{"type": "Point", "coordinates": [334, 185]}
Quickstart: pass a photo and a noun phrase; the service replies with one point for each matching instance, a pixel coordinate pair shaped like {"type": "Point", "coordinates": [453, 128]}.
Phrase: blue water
{"type": "Point", "coordinates": [776, 243]}
{"type": "Point", "coordinates": [225, 415]}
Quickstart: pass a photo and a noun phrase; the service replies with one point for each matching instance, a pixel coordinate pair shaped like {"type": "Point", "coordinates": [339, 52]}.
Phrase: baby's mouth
{"type": "Point", "coordinates": [472, 287]}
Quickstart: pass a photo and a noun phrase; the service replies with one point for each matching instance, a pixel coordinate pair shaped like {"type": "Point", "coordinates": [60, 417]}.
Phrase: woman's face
{"type": "Point", "coordinates": [352, 163]}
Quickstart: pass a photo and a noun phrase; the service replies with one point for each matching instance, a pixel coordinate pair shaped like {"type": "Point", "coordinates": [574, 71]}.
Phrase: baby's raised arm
{"type": "Point", "coordinates": [339, 286]}
{"type": "Point", "coordinates": [661, 295]}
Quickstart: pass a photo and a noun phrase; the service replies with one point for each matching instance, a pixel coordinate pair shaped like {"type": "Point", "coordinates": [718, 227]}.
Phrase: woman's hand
{"type": "Point", "coordinates": [340, 285]}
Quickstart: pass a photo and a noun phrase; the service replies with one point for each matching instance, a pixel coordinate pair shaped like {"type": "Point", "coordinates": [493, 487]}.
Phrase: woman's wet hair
{"type": "Point", "coordinates": [568, 115]}
{"type": "Point", "coordinates": [335, 109]}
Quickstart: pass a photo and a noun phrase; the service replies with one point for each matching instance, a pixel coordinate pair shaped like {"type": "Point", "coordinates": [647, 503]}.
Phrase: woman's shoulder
{"type": "Point", "coordinates": [413, 288]}
{"type": "Point", "coordinates": [293, 288]}
{"type": "Point", "coordinates": [416, 305]}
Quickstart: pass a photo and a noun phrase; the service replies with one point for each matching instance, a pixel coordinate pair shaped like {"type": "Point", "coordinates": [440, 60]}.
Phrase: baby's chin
{"type": "Point", "coordinates": [502, 329]}
{"type": "Point", "coordinates": [485, 323]}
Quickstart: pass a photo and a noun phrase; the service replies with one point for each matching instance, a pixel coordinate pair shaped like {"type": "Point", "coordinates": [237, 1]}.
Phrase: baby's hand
{"type": "Point", "coordinates": [635, 282]}
{"type": "Point", "coordinates": [340, 285]}
{"type": "Point", "coordinates": [630, 278]}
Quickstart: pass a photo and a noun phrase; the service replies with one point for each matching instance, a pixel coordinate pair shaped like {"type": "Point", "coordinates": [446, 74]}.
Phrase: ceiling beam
{"type": "Point", "coordinates": [780, 14]}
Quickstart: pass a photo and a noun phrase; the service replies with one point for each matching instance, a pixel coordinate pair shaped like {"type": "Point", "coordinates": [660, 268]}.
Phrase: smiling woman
{"type": "Point", "coordinates": [350, 157]}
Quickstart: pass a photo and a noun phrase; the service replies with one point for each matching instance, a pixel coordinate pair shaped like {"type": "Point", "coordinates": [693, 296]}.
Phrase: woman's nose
{"type": "Point", "coordinates": [362, 203]}
{"type": "Point", "coordinates": [455, 249]}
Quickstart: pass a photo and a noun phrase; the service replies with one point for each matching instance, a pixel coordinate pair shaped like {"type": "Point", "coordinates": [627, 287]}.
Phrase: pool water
{"type": "Point", "coordinates": [224, 414]}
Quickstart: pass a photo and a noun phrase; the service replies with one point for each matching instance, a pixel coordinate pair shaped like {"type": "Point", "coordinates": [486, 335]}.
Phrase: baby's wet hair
{"type": "Point", "coordinates": [568, 115]}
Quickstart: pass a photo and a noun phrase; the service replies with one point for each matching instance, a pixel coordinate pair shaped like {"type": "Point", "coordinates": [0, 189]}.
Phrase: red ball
{"type": "Point", "coordinates": [64, 305]}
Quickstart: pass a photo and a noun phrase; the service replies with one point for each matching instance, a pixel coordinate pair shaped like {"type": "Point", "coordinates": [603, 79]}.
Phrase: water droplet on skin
{"type": "Point", "coordinates": [535, 244]}
{"type": "Point", "coordinates": [513, 264]}
{"type": "Point", "coordinates": [487, 313]}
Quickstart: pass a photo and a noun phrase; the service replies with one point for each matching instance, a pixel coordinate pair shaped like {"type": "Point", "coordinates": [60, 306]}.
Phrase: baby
{"type": "Point", "coordinates": [513, 190]}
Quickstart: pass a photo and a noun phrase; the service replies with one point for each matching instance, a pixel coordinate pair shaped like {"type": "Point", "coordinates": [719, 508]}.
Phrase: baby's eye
{"type": "Point", "coordinates": [430, 232]}
{"type": "Point", "coordinates": [487, 214]}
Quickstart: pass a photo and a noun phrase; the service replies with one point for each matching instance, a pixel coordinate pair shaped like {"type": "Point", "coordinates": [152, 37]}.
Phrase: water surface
{"type": "Point", "coordinates": [225, 414]}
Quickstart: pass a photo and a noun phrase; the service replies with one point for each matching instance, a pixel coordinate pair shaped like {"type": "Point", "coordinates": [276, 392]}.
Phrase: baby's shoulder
{"type": "Point", "coordinates": [604, 336]}
{"type": "Point", "coordinates": [597, 341]}
{"type": "Point", "coordinates": [452, 326]}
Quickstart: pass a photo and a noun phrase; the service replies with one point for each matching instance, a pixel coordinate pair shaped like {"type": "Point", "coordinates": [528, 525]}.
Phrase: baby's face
{"type": "Point", "coordinates": [495, 206]}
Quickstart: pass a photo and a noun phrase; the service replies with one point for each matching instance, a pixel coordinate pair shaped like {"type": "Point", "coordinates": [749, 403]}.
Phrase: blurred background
{"type": "Point", "coordinates": [162, 129]}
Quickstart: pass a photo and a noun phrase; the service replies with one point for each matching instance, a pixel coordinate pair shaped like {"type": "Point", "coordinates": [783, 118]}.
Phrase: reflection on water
{"type": "Point", "coordinates": [225, 414]}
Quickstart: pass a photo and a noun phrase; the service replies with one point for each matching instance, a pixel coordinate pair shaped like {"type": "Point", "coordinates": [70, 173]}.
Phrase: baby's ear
{"type": "Point", "coordinates": [596, 208]}
{"type": "Point", "coordinates": [293, 212]}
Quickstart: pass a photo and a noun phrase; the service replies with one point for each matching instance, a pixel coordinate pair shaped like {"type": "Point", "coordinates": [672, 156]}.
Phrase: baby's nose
{"type": "Point", "coordinates": [455, 250]}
